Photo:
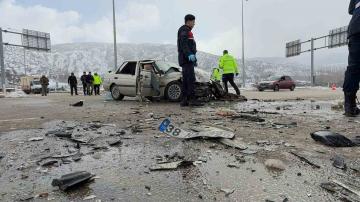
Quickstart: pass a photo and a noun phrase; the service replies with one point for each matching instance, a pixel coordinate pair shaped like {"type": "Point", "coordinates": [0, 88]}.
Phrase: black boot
{"type": "Point", "coordinates": [356, 109]}
{"type": "Point", "coordinates": [350, 104]}
{"type": "Point", "coordinates": [184, 102]}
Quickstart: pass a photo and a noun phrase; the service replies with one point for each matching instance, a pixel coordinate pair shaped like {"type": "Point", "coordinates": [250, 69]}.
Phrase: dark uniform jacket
{"type": "Point", "coordinates": [83, 79]}
{"type": "Point", "coordinates": [354, 26]}
{"type": "Point", "coordinates": [72, 80]}
{"type": "Point", "coordinates": [44, 81]}
{"type": "Point", "coordinates": [186, 44]}
{"type": "Point", "coordinates": [89, 79]}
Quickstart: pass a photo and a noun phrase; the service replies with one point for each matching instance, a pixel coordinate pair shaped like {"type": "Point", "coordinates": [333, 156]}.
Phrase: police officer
{"type": "Point", "coordinates": [229, 66]}
{"type": "Point", "coordinates": [352, 74]}
{"type": "Point", "coordinates": [187, 60]}
{"type": "Point", "coordinates": [72, 81]}
{"type": "Point", "coordinates": [216, 75]}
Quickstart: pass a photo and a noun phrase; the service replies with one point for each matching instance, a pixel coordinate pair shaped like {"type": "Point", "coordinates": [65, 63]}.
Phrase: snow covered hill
{"type": "Point", "coordinates": [98, 57]}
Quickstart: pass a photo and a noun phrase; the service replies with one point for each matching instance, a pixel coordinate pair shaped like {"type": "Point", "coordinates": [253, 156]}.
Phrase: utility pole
{"type": "Point", "coordinates": [25, 61]}
{"type": "Point", "coordinates": [114, 28]}
{"type": "Point", "coordinates": [243, 45]}
{"type": "Point", "coordinates": [2, 64]}
{"type": "Point", "coordinates": [312, 63]}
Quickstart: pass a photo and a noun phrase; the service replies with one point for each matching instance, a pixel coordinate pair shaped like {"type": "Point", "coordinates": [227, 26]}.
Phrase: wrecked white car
{"type": "Point", "coordinates": [147, 78]}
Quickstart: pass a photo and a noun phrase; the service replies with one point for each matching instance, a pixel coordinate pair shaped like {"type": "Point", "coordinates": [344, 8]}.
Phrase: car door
{"type": "Point", "coordinates": [282, 82]}
{"type": "Point", "coordinates": [288, 82]}
{"type": "Point", "coordinates": [147, 78]}
{"type": "Point", "coordinates": [125, 78]}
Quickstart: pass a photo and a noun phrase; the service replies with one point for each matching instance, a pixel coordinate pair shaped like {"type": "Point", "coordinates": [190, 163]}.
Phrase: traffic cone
{"type": "Point", "coordinates": [333, 87]}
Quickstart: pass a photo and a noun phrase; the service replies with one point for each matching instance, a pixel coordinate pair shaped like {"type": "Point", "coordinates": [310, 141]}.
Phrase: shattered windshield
{"type": "Point", "coordinates": [165, 66]}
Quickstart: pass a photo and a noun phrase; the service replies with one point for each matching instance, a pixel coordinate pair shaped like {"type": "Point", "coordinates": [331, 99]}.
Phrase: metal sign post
{"type": "Point", "coordinates": [32, 40]}
{"type": "Point", "coordinates": [312, 63]}
{"type": "Point", "coordinates": [337, 38]}
{"type": "Point", "coordinates": [2, 63]}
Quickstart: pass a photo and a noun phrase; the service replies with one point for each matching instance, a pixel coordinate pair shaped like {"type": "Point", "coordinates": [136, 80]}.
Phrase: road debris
{"type": "Point", "coordinates": [71, 180]}
{"type": "Point", "coordinates": [228, 192]}
{"type": "Point", "coordinates": [172, 165]}
{"type": "Point", "coordinates": [332, 139]}
{"type": "Point", "coordinates": [35, 139]}
{"type": "Point", "coordinates": [199, 131]}
{"type": "Point", "coordinates": [235, 143]}
{"type": "Point", "coordinates": [305, 160]}
{"type": "Point", "coordinates": [339, 162]}
{"type": "Point", "coordinates": [78, 104]}
{"type": "Point", "coordinates": [275, 164]}
{"type": "Point", "coordinates": [89, 197]}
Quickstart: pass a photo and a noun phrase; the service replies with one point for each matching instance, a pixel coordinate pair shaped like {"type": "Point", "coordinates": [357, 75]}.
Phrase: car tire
{"type": "Point", "coordinates": [292, 88]}
{"type": "Point", "coordinates": [276, 88]}
{"type": "Point", "coordinates": [115, 93]}
{"type": "Point", "coordinates": [261, 90]}
{"type": "Point", "coordinates": [173, 91]}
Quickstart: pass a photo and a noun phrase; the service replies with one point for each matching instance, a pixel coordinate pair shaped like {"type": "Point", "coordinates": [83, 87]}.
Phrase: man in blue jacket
{"type": "Point", "coordinates": [352, 74]}
{"type": "Point", "coordinates": [187, 60]}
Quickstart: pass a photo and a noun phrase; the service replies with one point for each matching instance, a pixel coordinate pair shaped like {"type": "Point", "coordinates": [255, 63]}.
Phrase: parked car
{"type": "Point", "coordinates": [134, 78]}
{"type": "Point", "coordinates": [277, 83]}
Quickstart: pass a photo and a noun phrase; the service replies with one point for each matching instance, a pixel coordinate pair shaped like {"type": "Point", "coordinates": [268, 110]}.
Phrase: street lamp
{"type": "Point", "coordinates": [114, 29]}
{"type": "Point", "coordinates": [243, 44]}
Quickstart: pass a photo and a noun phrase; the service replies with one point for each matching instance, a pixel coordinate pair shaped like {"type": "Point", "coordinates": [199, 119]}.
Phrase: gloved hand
{"type": "Point", "coordinates": [192, 58]}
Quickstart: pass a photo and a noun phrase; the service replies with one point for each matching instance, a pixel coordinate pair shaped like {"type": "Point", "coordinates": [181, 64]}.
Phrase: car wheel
{"type": "Point", "coordinates": [276, 88]}
{"type": "Point", "coordinates": [115, 93]}
{"type": "Point", "coordinates": [173, 91]}
{"type": "Point", "coordinates": [261, 90]}
{"type": "Point", "coordinates": [292, 88]}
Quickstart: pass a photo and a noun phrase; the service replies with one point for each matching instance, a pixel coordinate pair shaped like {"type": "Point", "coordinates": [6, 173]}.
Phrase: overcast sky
{"type": "Point", "coordinates": [269, 24]}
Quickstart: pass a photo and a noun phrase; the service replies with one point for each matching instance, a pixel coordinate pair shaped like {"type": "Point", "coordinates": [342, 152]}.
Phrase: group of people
{"type": "Point", "coordinates": [91, 83]}
{"type": "Point", "coordinates": [187, 60]}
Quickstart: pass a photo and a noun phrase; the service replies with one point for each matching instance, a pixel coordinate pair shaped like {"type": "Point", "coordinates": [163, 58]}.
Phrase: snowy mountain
{"type": "Point", "coordinates": [98, 57]}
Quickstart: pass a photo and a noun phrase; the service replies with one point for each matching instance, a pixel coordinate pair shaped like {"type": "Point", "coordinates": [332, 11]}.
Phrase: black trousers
{"type": "Point", "coordinates": [188, 83]}
{"type": "Point", "coordinates": [73, 88]}
{"type": "Point", "coordinates": [97, 89]}
{"type": "Point", "coordinates": [84, 88]}
{"type": "Point", "coordinates": [230, 78]}
{"type": "Point", "coordinates": [352, 74]}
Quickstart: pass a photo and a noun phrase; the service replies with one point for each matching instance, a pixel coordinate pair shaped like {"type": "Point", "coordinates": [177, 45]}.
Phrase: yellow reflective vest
{"type": "Point", "coordinates": [228, 64]}
{"type": "Point", "coordinates": [216, 75]}
{"type": "Point", "coordinates": [97, 80]}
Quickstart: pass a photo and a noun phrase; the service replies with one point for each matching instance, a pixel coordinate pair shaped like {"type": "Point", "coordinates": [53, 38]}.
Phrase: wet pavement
{"type": "Point", "coordinates": [120, 152]}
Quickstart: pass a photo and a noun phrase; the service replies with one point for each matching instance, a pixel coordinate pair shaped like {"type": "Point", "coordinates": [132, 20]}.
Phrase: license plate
{"type": "Point", "coordinates": [168, 128]}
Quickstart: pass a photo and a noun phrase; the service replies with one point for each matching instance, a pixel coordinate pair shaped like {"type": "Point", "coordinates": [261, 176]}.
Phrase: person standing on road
{"type": "Point", "coordinates": [44, 85]}
{"type": "Point", "coordinates": [229, 66]}
{"type": "Point", "coordinates": [89, 84]}
{"type": "Point", "coordinates": [97, 83]}
{"type": "Point", "coordinates": [352, 74]}
{"type": "Point", "coordinates": [72, 81]}
{"type": "Point", "coordinates": [187, 60]}
{"type": "Point", "coordinates": [83, 81]}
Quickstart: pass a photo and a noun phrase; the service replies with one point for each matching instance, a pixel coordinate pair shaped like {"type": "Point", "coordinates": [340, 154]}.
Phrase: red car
{"type": "Point", "coordinates": [277, 83]}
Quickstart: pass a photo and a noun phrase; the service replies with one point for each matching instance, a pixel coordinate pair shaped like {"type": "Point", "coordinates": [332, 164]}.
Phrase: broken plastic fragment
{"type": "Point", "coordinates": [72, 180]}
{"type": "Point", "coordinates": [332, 139]}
